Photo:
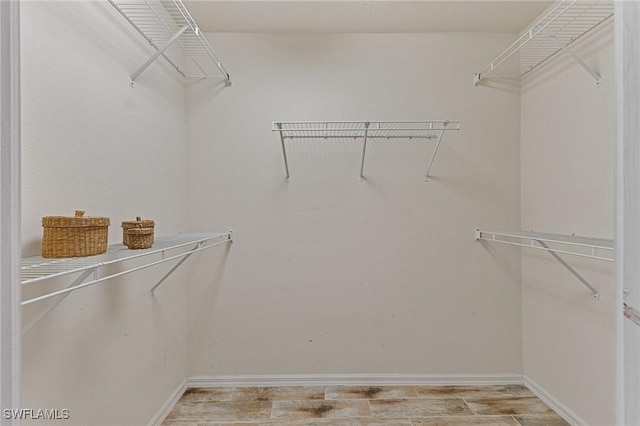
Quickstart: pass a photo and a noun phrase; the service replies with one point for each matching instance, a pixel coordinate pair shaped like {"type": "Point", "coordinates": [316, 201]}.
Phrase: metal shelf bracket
{"type": "Point", "coordinates": [177, 265]}
{"type": "Point", "coordinates": [27, 327]}
{"type": "Point", "coordinates": [435, 150]}
{"type": "Point", "coordinates": [364, 149]}
{"type": "Point", "coordinates": [569, 51]}
{"type": "Point", "coordinates": [575, 273]}
{"type": "Point", "coordinates": [284, 153]}
{"type": "Point", "coordinates": [592, 248]}
{"type": "Point", "coordinates": [159, 52]}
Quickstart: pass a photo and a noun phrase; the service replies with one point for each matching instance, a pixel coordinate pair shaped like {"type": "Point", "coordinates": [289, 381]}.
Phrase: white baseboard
{"type": "Point", "coordinates": [353, 380]}
{"type": "Point", "coordinates": [166, 408]}
{"type": "Point", "coordinates": [553, 402]}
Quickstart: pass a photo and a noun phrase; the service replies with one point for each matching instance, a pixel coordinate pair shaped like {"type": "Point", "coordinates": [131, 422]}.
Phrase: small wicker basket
{"type": "Point", "coordinates": [138, 234]}
{"type": "Point", "coordinates": [77, 236]}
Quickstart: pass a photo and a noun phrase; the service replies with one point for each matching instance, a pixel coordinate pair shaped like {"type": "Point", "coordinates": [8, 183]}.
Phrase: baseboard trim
{"type": "Point", "coordinates": [166, 408]}
{"type": "Point", "coordinates": [553, 402]}
{"type": "Point", "coordinates": [353, 380]}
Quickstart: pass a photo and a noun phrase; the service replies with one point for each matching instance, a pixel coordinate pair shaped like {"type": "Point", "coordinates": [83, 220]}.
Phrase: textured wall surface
{"type": "Point", "coordinates": [567, 187]}
{"type": "Point", "coordinates": [332, 275]}
{"type": "Point", "coordinates": [111, 354]}
{"type": "Point", "coordinates": [328, 274]}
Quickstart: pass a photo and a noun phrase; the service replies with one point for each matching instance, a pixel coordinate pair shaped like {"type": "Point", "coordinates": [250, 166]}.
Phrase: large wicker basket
{"type": "Point", "coordinates": [138, 234]}
{"type": "Point", "coordinates": [77, 236]}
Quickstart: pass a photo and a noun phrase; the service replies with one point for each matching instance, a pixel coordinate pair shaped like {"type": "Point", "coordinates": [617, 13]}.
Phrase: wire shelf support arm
{"type": "Point", "coordinates": [435, 151]}
{"type": "Point", "coordinates": [364, 149]}
{"type": "Point", "coordinates": [569, 51]}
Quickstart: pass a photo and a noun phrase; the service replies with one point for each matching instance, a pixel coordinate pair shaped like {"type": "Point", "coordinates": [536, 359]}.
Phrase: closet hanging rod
{"type": "Point", "coordinates": [365, 130]}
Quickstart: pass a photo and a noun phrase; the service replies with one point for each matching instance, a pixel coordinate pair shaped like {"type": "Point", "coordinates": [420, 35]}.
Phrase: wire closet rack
{"type": "Point", "coordinates": [364, 130]}
{"type": "Point", "coordinates": [92, 270]}
{"type": "Point", "coordinates": [170, 29]}
{"type": "Point", "coordinates": [556, 244]}
{"type": "Point", "coordinates": [555, 32]}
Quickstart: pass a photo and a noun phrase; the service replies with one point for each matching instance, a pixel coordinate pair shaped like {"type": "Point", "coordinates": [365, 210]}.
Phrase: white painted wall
{"type": "Point", "coordinates": [567, 186]}
{"type": "Point", "coordinates": [330, 275]}
{"type": "Point", "coordinates": [111, 354]}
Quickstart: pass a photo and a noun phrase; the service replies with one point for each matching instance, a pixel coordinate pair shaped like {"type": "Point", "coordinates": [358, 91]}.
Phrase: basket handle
{"type": "Point", "coordinates": [79, 213]}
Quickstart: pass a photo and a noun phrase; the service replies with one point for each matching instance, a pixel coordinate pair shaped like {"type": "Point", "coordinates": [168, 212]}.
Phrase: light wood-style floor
{"type": "Point", "coordinates": [511, 405]}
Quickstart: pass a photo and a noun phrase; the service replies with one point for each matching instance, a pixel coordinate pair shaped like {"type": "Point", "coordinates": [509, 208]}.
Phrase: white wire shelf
{"type": "Point", "coordinates": [555, 244]}
{"type": "Point", "coordinates": [364, 130]}
{"type": "Point", "coordinates": [36, 269]}
{"type": "Point", "coordinates": [593, 248]}
{"type": "Point", "coordinates": [170, 29]}
{"type": "Point", "coordinates": [555, 32]}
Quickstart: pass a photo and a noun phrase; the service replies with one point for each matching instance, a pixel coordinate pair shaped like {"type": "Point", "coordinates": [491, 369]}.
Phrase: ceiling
{"type": "Point", "coordinates": [358, 16]}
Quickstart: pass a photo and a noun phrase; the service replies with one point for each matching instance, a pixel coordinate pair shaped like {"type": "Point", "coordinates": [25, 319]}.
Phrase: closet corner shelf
{"type": "Point", "coordinates": [555, 32]}
{"type": "Point", "coordinates": [364, 130]}
{"type": "Point", "coordinates": [36, 268]}
{"type": "Point", "coordinates": [170, 29]}
{"type": "Point", "coordinates": [555, 244]}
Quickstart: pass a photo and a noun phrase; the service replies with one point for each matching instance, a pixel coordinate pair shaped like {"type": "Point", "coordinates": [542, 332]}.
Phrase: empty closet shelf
{"type": "Point", "coordinates": [553, 33]}
{"type": "Point", "coordinates": [170, 29]}
{"type": "Point", "coordinates": [556, 244]}
{"type": "Point", "coordinates": [594, 248]}
{"type": "Point", "coordinates": [364, 131]}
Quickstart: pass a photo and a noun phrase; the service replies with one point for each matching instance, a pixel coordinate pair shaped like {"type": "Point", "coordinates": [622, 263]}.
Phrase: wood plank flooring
{"type": "Point", "coordinates": [511, 405]}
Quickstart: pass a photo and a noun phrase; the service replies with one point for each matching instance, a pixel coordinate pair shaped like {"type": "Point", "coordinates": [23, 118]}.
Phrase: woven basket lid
{"type": "Point", "coordinates": [139, 223]}
{"type": "Point", "coordinates": [78, 221]}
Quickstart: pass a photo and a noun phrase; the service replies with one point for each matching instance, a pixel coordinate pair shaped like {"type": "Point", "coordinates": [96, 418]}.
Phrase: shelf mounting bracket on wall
{"type": "Point", "coordinates": [554, 32]}
{"type": "Point", "coordinates": [435, 150]}
{"type": "Point", "coordinates": [284, 153]}
{"type": "Point", "coordinates": [159, 52]}
{"type": "Point", "coordinates": [592, 248]}
{"type": "Point", "coordinates": [170, 29]}
{"type": "Point", "coordinates": [569, 51]}
{"type": "Point", "coordinates": [364, 148]}
{"type": "Point", "coordinates": [365, 130]}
